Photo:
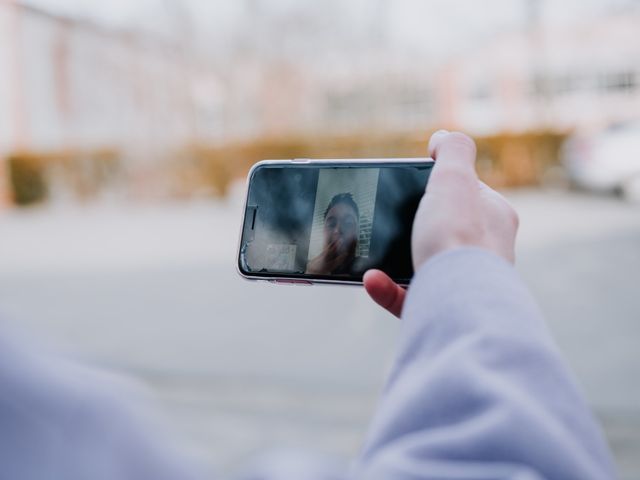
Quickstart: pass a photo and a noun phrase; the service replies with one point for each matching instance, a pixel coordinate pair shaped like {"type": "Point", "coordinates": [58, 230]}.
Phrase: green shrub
{"type": "Point", "coordinates": [27, 179]}
{"type": "Point", "coordinates": [504, 160]}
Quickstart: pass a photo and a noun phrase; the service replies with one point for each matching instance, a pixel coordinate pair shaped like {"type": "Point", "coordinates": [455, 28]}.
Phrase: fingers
{"type": "Point", "coordinates": [455, 157]}
{"type": "Point", "coordinates": [331, 250]}
{"type": "Point", "coordinates": [454, 147]}
{"type": "Point", "coordinates": [435, 140]}
{"type": "Point", "coordinates": [507, 211]}
{"type": "Point", "coordinates": [384, 291]}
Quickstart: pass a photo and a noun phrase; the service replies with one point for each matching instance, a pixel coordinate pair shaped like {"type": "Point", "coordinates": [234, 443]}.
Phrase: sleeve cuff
{"type": "Point", "coordinates": [465, 291]}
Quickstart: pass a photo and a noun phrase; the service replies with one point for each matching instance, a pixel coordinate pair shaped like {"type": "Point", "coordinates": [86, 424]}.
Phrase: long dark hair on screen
{"type": "Point", "coordinates": [345, 198]}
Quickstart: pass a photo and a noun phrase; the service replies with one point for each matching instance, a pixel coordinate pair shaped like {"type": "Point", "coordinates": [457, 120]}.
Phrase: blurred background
{"type": "Point", "coordinates": [126, 130]}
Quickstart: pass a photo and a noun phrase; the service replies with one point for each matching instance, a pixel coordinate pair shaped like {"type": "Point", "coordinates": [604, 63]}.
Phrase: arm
{"type": "Point", "coordinates": [63, 421]}
{"type": "Point", "coordinates": [478, 389]}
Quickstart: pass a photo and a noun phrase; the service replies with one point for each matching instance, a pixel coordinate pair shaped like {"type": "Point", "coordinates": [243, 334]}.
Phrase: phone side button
{"type": "Point", "coordinates": [300, 160]}
{"type": "Point", "coordinates": [292, 282]}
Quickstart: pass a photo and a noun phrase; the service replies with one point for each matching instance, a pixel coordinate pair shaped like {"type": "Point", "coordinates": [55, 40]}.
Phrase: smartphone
{"type": "Point", "coordinates": [329, 221]}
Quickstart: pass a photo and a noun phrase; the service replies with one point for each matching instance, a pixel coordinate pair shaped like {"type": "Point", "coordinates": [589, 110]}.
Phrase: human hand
{"type": "Point", "coordinates": [334, 256]}
{"type": "Point", "coordinates": [456, 210]}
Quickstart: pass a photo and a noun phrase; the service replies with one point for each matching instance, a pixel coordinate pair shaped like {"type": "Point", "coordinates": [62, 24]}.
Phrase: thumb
{"type": "Point", "coordinates": [384, 291]}
{"type": "Point", "coordinates": [455, 159]}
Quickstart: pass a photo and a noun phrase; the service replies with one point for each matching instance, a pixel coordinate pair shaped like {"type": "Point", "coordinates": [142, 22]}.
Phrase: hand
{"type": "Point", "coordinates": [456, 210]}
{"type": "Point", "coordinates": [333, 257]}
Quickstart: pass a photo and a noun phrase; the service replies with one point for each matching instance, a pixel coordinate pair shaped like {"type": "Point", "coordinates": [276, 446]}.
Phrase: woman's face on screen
{"type": "Point", "coordinates": [341, 227]}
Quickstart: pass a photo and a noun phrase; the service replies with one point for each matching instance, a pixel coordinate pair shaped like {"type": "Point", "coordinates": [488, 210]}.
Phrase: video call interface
{"type": "Point", "coordinates": [330, 222]}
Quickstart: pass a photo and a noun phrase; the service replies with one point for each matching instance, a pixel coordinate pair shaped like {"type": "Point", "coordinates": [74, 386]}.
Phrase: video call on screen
{"type": "Point", "coordinates": [331, 222]}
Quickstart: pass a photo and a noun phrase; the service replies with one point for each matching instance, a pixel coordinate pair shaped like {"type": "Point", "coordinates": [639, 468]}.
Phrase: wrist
{"type": "Point", "coordinates": [425, 258]}
{"type": "Point", "coordinates": [444, 254]}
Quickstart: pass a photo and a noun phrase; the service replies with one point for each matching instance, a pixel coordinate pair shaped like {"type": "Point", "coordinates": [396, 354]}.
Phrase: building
{"type": "Point", "coordinates": [557, 79]}
{"type": "Point", "coordinates": [74, 85]}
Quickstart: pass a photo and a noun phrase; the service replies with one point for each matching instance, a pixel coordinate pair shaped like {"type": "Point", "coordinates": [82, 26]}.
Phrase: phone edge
{"type": "Point", "coordinates": [307, 161]}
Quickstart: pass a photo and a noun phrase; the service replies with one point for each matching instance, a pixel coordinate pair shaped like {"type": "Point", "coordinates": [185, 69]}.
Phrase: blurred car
{"type": "Point", "coordinates": [606, 161]}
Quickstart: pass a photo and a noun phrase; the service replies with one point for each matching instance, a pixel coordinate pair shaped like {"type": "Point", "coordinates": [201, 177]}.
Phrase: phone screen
{"type": "Point", "coordinates": [331, 222]}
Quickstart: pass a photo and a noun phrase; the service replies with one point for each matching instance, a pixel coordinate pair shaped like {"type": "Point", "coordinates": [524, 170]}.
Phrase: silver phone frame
{"type": "Point", "coordinates": [318, 162]}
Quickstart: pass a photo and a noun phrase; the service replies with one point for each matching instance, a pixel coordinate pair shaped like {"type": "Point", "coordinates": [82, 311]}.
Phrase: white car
{"type": "Point", "coordinates": [605, 161]}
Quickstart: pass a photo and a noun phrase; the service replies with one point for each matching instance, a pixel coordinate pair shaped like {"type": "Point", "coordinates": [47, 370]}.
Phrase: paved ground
{"type": "Point", "coordinates": [243, 366]}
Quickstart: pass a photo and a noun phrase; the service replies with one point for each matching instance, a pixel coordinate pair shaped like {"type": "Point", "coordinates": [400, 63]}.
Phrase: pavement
{"type": "Point", "coordinates": [238, 367]}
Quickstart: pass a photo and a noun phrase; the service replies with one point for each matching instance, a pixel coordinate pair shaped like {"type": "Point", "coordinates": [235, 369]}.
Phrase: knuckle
{"type": "Point", "coordinates": [515, 219]}
{"type": "Point", "coordinates": [512, 216]}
